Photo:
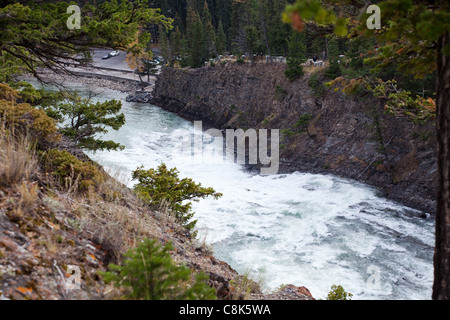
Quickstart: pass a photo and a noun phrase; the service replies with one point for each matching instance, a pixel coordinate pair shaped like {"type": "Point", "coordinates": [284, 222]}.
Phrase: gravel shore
{"type": "Point", "coordinates": [62, 80]}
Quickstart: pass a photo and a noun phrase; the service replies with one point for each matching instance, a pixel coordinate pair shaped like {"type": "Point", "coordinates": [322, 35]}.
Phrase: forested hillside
{"type": "Point", "coordinates": [205, 29]}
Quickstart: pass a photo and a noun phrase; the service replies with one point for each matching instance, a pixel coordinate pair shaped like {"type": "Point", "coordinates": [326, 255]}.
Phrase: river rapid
{"type": "Point", "coordinates": [305, 229]}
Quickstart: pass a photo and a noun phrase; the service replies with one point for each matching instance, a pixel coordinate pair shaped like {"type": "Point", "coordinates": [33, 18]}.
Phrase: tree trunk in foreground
{"type": "Point", "coordinates": [441, 285]}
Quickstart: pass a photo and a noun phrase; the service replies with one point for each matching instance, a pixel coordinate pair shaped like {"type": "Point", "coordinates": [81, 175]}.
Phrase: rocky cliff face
{"type": "Point", "coordinates": [323, 131]}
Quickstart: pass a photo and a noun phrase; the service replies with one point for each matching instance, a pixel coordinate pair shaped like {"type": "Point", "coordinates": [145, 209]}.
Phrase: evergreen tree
{"type": "Point", "coordinates": [221, 39]}
{"type": "Point", "coordinates": [195, 39]}
{"type": "Point", "coordinates": [166, 49]}
{"type": "Point", "coordinates": [162, 186]}
{"type": "Point", "coordinates": [240, 17]}
{"type": "Point", "coordinates": [197, 44]}
{"type": "Point", "coordinates": [334, 70]}
{"type": "Point", "coordinates": [277, 32]}
{"type": "Point", "coordinates": [83, 120]}
{"type": "Point", "coordinates": [252, 40]}
{"type": "Point", "coordinates": [149, 273]}
{"type": "Point", "coordinates": [209, 33]}
{"type": "Point", "coordinates": [176, 41]}
{"type": "Point", "coordinates": [296, 56]}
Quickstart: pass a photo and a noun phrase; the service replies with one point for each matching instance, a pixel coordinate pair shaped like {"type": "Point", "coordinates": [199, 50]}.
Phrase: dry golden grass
{"type": "Point", "coordinates": [27, 201]}
{"type": "Point", "coordinates": [17, 158]}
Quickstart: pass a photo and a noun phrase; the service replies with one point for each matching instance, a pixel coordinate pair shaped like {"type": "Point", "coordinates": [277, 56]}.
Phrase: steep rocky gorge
{"type": "Point", "coordinates": [322, 131]}
{"type": "Point", "coordinates": [46, 228]}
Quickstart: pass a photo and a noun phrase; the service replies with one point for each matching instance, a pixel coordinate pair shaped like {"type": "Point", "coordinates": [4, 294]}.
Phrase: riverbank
{"type": "Point", "coordinates": [322, 131]}
{"type": "Point", "coordinates": [92, 230]}
{"type": "Point", "coordinates": [93, 80]}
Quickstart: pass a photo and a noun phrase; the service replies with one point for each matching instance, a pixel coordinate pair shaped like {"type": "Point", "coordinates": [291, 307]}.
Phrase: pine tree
{"type": "Point", "coordinates": [334, 70]}
{"type": "Point", "coordinates": [166, 49]}
{"type": "Point", "coordinates": [176, 42]}
{"type": "Point", "coordinates": [162, 186]}
{"type": "Point", "coordinates": [277, 32]}
{"type": "Point", "coordinates": [296, 56]}
{"type": "Point", "coordinates": [239, 19]}
{"type": "Point", "coordinates": [251, 39]}
{"type": "Point", "coordinates": [221, 39]}
{"type": "Point", "coordinates": [209, 33]}
{"type": "Point", "coordinates": [149, 273]}
{"type": "Point", "coordinates": [197, 44]}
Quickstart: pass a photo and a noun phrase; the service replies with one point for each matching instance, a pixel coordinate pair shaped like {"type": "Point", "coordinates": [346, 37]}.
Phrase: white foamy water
{"type": "Point", "coordinates": [304, 229]}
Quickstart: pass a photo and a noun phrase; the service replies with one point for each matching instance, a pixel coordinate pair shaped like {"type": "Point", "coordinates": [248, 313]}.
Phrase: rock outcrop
{"type": "Point", "coordinates": [323, 131]}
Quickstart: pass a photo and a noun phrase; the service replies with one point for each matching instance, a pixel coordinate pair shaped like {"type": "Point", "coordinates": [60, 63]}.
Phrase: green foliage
{"type": "Point", "coordinates": [296, 57]}
{"type": "Point", "coordinates": [41, 98]}
{"type": "Point", "coordinates": [316, 83]}
{"type": "Point", "coordinates": [149, 273]}
{"type": "Point", "coordinates": [294, 70]}
{"type": "Point", "coordinates": [287, 133]}
{"type": "Point", "coordinates": [209, 33]}
{"type": "Point", "coordinates": [334, 69]}
{"type": "Point", "coordinates": [338, 293]}
{"type": "Point", "coordinates": [162, 186]}
{"type": "Point", "coordinates": [299, 127]}
{"type": "Point", "coordinates": [196, 41]}
{"type": "Point", "coordinates": [400, 102]}
{"type": "Point", "coordinates": [24, 116]}
{"type": "Point", "coordinates": [252, 39]}
{"type": "Point", "coordinates": [148, 68]}
{"type": "Point", "coordinates": [72, 171]}
{"type": "Point", "coordinates": [303, 122]}
{"type": "Point", "coordinates": [410, 40]}
{"type": "Point", "coordinates": [397, 102]}
{"type": "Point", "coordinates": [35, 34]}
{"type": "Point", "coordinates": [221, 39]}
{"type": "Point", "coordinates": [280, 93]}
{"type": "Point", "coordinates": [358, 50]}
{"type": "Point", "coordinates": [82, 119]}
{"type": "Point", "coordinates": [303, 11]}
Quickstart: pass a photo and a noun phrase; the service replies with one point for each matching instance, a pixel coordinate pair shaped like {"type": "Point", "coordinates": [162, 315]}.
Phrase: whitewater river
{"type": "Point", "coordinates": [308, 230]}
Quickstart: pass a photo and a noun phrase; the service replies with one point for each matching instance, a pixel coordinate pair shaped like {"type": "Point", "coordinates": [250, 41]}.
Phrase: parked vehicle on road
{"type": "Point", "coordinates": [114, 53]}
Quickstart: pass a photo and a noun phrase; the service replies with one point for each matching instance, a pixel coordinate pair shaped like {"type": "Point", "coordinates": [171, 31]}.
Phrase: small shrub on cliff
{"type": "Point", "coordinates": [303, 122]}
{"type": "Point", "coordinates": [280, 93]}
{"type": "Point", "coordinates": [149, 273]}
{"type": "Point", "coordinates": [85, 119]}
{"type": "Point", "coordinates": [72, 171]}
{"type": "Point", "coordinates": [25, 118]}
{"type": "Point", "coordinates": [163, 186]}
{"type": "Point", "coordinates": [316, 84]}
{"type": "Point", "coordinates": [287, 133]}
{"type": "Point", "coordinates": [338, 293]}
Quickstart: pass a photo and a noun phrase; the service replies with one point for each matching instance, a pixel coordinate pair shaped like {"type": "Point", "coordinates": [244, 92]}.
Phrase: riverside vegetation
{"type": "Point", "coordinates": [38, 168]}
